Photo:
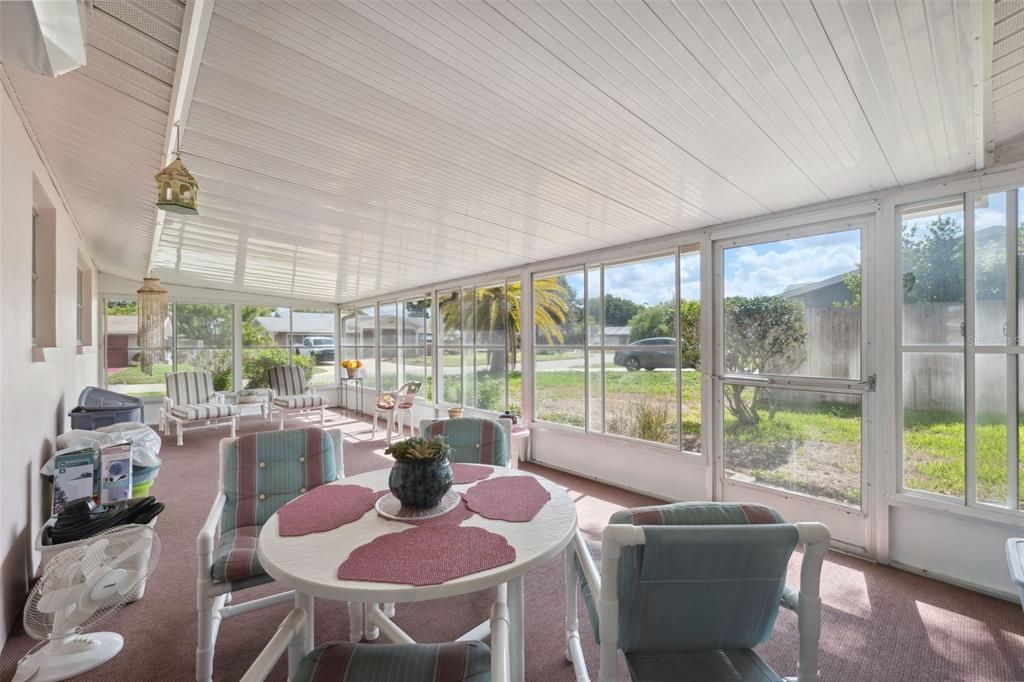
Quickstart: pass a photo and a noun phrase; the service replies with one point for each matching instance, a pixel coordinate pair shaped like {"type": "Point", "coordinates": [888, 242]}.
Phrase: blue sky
{"type": "Point", "coordinates": [768, 269]}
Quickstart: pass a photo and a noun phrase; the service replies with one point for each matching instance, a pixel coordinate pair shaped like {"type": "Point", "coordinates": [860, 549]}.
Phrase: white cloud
{"type": "Point", "coordinates": [768, 269]}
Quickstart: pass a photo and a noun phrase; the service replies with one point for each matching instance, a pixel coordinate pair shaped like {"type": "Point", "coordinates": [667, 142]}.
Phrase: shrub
{"type": "Point", "coordinates": [255, 364]}
{"type": "Point", "coordinates": [217, 363]}
{"type": "Point", "coordinates": [490, 392]}
{"type": "Point", "coordinates": [645, 419]}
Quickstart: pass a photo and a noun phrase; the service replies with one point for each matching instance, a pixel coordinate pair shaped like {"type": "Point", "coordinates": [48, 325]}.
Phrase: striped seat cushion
{"type": "Point", "coordinates": [287, 380]}
{"type": "Point", "coordinates": [299, 401]}
{"type": "Point", "coordinates": [718, 566]}
{"type": "Point", "coordinates": [346, 662]}
{"type": "Point", "coordinates": [204, 411]}
{"type": "Point", "coordinates": [264, 470]}
{"type": "Point", "coordinates": [235, 556]}
{"type": "Point", "coordinates": [189, 388]}
{"type": "Point", "coordinates": [473, 440]}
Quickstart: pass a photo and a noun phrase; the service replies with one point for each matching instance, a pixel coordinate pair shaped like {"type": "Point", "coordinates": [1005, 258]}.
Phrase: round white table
{"type": "Point", "coordinates": [309, 563]}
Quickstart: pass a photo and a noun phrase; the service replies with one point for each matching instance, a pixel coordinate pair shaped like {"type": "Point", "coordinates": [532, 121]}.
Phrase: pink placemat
{"type": "Point", "coordinates": [427, 556]}
{"type": "Point", "coordinates": [469, 473]}
{"type": "Point", "coordinates": [325, 507]}
{"type": "Point", "coordinates": [507, 498]}
{"type": "Point", "coordinates": [460, 513]}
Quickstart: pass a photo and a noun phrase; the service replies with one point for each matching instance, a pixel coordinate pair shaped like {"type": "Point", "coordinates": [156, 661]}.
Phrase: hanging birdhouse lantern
{"type": "Point", "coordinates": [176, 190]}
{"type": "Point", "coordinates": [152, 316]}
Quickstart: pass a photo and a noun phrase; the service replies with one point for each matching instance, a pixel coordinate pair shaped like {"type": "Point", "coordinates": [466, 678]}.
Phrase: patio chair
{"type": "Point", "coordinates": [392, 405]}
{"type": "Point", "coordinates": [473, 440]}
{"type": "Point", "coordinates": [290, 395]}
{"type": "Point", "coordinates": [258, 474]}
{"type": "Point", "coordinates": [191, 403]}
{"type": "Point", "coordinates": [686, 591]}
{"type": "Point", "coordinates": [1015, 559]}
{"type": "Point", "coordinates": [347, 662]}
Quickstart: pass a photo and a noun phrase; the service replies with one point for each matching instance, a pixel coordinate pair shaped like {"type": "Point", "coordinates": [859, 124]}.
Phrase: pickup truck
{"type": "Point", "coordinates": [320, 348]}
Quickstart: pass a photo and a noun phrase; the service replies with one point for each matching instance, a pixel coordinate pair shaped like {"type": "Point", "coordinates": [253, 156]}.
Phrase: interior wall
{"type": "Point", "coordinates": [40, 385]}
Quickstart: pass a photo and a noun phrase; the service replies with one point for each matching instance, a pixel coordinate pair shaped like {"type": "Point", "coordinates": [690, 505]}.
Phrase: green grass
{"type": "Point", "coordinates": [135, 375]}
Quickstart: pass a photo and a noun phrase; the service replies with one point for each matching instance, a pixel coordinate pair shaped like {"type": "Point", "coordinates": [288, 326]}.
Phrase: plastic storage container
{"type": "Point", "coordinates": [97, 407]}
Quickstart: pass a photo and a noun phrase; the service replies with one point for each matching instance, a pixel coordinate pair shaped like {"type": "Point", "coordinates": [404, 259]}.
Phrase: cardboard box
{"type": "Point", "coordinates": [74, 477]}
{"type": "Point", "coordinates": [115, 472]}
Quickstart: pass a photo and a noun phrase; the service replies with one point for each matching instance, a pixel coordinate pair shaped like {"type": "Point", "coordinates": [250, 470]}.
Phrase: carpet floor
{"type": "Point", "coordinates": [878, 623]}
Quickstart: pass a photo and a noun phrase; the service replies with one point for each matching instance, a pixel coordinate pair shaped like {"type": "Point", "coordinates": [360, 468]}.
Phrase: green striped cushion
{"type": "Point", "coordinates": [264, 470]}
{"type": "Point", "coordinates": [346, 662]}
{"type": "Point", "coordinates": [473, 440]}
{"type": "Point", "coordinates": [189, 388]}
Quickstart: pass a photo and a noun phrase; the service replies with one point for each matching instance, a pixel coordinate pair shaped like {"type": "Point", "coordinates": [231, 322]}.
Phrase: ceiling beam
{"type": "Point", "coordinates": [194, 28]}
{"type": "Point", "coordinates": [984, 143]}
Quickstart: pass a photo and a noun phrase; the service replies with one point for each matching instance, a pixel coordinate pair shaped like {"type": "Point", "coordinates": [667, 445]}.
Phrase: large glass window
{"type": "Point", "coordinates": [640, 349]}
{"type": "Point", "coordinates": [479, 346]}
{"type": "Point", "coordinates": [961, 349]}
{"type": "Point", "coordinates": [933, 292]}
{"type": "Point", "coordinates": [313, 339]}
{"type": "Point", "coordinates": [365, 348]}
{"type": "Point", "coordinates": [266, 342]}
{"type": "Point", "coordinates": [560, 350]}
{"type": "Point", "coordinates": [203, 340]}
{"type": "Point", "coordinates": [618, 349]}
{"type": "Point", "coordinates": [416, 343]}
{"type": "Point", "coordinates": [123, 356]}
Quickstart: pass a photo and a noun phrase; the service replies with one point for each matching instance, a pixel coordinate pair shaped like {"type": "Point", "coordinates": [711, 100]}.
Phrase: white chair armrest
{"type": "Point", "coordinates": [590, 570]}
{"type": "Point", "coordinates": [208, 533]}
{"type": "Point", "coordinates": [220, 396]}
{"type": "Point", "coordinates": [168, 403]}
{"type": "Point", "coordinates": [272, 394]}
{"type": "Point", "coordinates": [275, 648]}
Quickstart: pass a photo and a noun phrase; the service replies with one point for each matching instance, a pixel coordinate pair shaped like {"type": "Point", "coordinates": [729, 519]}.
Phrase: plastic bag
{"type": "Point", "coordinates": [145, 442]}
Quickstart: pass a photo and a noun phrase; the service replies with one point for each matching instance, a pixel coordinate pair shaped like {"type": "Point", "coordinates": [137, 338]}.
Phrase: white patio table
{"type": "Point", "coordinates": [309, 565]}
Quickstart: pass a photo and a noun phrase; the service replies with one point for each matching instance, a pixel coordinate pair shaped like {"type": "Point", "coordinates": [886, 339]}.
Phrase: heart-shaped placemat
{"type": "Point", "coordinates": [507, 498]}
{"type": "Point", "coordinates": [325, 507]}
{"type": "Point", "coordinates": [470, 473]}
{"type": "Point", "coordinates": [427, 556]}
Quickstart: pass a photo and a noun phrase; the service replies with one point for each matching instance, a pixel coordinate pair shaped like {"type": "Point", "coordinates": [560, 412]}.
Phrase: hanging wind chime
{"type": "Point", "coordinates": [152, 317]}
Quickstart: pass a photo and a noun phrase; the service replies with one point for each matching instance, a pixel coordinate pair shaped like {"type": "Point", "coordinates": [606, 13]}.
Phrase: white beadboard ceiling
{"type": "Point", "coordinates": [102, 126]}
{"type": "Point", "coordinates": [349, 149]}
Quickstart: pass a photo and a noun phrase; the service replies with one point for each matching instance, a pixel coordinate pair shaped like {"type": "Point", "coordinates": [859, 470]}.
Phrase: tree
{"type": "Point", "coordinates": [619, 311]}
{"type": "Point", "coordinates": [658, 320]}
{"type": "Point", "coordinates": [254, 334]}
{"type": "Point", "coordinates": [763, 335]}
{"type": "Point", "coordinates": [551, 300]}
{"type": "Point", "coordinates": [122, 307]}
{"type": "Point", "coordinates": [933, 261]}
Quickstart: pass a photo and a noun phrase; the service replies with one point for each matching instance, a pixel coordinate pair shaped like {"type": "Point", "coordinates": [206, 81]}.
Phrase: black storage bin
{"type": "Point", "coordinates": [97, 407]}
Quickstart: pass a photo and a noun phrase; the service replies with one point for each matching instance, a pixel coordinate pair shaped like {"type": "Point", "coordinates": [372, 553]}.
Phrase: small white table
{"type": "Point", "coordinates": [309, 563]}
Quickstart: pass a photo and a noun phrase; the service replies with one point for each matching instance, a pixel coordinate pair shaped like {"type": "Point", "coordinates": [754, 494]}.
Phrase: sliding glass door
{"type": "Point", "coordinates": [792, 383]}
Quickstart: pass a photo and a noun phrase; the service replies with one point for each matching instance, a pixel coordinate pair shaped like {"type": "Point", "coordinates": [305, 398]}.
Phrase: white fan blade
{"type": "Point", "coordinates": [58, 600]}
{"type": "Point", "coordinates": [94, 556]}
{"type": "Point", "coordinates": [141, 545]}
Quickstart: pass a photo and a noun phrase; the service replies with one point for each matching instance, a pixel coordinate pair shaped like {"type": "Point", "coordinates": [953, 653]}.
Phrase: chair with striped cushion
{"type": "Point", "coordinates": [473, 440]}
{"type": "Point", "coordinates": [687, 590]}
{"type": "Point", "coordinates": [191, 403]}
{"type": "Point", "coordinates": [462, 661]}
{"type": "Point", "coordinates": [289, 393]}
{"type": "Point", "coordinates": [392, 405]}
{"type": "Point", "coordinates": [258, 473]}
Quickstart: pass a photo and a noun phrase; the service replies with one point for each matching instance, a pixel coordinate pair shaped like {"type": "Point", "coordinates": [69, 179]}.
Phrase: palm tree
{"type": "Point", "coordinates": [550, 305]}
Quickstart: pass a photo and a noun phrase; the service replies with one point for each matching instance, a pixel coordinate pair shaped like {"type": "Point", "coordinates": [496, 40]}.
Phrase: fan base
{"type": "Point", "coordinates": [64, 659]}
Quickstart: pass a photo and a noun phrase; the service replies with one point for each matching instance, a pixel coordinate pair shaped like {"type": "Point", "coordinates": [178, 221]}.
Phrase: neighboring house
{"type": "Point", "coordinates": [826, 293]}
{"type": "Point", "coordinates": [299, 326]}
{"type": "Point", "coordinates": [616, 336]}
{"type": "Point", "coordinates": [123, 339]}
{"type": "Point", "coordinates": [416, 331]}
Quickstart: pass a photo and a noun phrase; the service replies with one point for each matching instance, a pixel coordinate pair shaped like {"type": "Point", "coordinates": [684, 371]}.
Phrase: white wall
{"type": "Point", "coordinates": [38, 387]}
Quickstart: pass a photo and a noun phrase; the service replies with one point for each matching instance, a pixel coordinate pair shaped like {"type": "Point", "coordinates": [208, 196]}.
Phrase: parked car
{"type": "Point", "coordinates": [320, 348]}
{"type": "Point", "coordinates": [649, 354]}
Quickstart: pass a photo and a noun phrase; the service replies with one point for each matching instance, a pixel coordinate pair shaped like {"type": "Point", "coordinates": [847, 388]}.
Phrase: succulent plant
{"type": "Point", "coordinates": [419, 449]}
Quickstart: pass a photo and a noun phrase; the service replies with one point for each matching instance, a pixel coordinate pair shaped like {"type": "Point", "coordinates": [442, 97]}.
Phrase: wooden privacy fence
{"type": "Point", "coordinates": [931, 381]}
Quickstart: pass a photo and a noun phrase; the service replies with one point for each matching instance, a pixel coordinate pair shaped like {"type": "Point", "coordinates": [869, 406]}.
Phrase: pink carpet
{"type": "Point", "coordinates": [878, 623]}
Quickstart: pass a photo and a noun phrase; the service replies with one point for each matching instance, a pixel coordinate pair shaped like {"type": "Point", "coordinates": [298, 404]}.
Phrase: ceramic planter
{"type": "Point", "coordinates": [419, 485]}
